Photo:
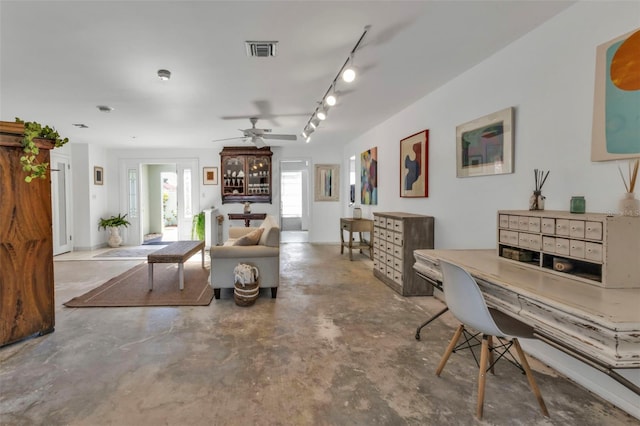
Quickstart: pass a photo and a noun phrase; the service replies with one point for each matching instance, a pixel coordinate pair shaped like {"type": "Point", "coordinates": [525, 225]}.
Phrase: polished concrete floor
{"type": "Point", "coordinates": [336, 347]}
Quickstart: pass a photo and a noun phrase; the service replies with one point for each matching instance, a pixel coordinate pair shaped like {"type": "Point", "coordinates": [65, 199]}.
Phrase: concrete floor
{"type": "Point", "coordinates": [336, 347]}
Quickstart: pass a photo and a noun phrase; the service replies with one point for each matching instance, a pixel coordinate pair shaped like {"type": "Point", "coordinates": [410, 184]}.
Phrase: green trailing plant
{"type": "Point", "coordinates": [29, 163]}
{"type": "Point", "coordinates": [113, 222]}
{"type": "Point", "coordinates": [197, 226]}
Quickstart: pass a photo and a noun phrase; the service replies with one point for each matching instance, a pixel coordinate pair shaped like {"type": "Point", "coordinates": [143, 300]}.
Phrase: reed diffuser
{"type": "Point", "coordinates": [536, 201]}
{"type": "Point", "coordinates": [630, 205]}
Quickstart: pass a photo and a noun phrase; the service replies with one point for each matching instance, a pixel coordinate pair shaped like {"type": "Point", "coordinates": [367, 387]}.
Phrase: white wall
{"type": "Point", "coordinates": [88, 199]}
{"type": "Point", "coordinates": [548, 77]}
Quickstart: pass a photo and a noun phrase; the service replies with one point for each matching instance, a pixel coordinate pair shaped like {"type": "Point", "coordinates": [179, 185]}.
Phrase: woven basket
{"type": "Point", "coordinates": [246, 295]}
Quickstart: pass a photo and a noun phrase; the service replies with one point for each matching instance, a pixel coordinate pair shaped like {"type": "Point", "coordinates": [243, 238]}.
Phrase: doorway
{"type": "Point", "coordinates": [61, 203]}
{"type": "Point", "coordinates": [294, 200]}
{"type": "Point", "coordinates": [159, 220]}
{"type": "Point", "coordinates": [161, 198]}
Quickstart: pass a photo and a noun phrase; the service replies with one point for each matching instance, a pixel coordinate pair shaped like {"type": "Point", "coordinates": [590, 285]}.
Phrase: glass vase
{"type": "Point", "coordinates": [629, 205]}
{"type": "Point", "coordinates": [536, 201]}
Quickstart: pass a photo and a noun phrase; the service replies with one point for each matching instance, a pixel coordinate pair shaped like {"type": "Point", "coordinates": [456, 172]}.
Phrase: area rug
{"type": "Point", "coordinates": [137, 251]}
{"type": "Point", "coordinates": [131, 288]}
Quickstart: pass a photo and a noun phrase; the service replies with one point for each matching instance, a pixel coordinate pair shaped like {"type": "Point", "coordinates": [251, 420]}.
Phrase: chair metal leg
{"type": "Point", "coordinates": [532, 381]}
{"type": "Point", "coordinates": [427, 322]}
{"type": "Point", "coordinates": [452, 345]}
{"type": "Point", "coordinates": [482, 375]}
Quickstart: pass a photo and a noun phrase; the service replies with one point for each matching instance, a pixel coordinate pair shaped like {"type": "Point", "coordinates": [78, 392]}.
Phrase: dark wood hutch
{"type": "Point", "coordinates": [246, 174]}
{"type": "Point", "coordinates": [26, 242]}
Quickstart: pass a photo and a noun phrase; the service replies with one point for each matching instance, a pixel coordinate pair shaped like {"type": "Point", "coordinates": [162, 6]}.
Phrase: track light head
{"type": "Point", "coordinates": [314, 123]}
{"type": "Point", "coordinates": [321, 114]}
{"type": "Point", "coordinates": [349, 74]}
{"type": "Point", "coordinates": [307, 139]}
{"type": "Point", "coordinates": [331, 99]}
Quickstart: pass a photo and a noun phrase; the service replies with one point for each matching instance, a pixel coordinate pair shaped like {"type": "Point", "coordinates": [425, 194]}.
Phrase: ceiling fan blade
{"type": "Point", "coordinates": [281, 137]}
{"type": "Point", "coordinates": [229, 139]}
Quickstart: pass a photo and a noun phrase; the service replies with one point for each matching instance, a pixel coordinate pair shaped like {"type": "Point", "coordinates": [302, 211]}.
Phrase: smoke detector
{"type": "Point", "coordinates": [164, 75]}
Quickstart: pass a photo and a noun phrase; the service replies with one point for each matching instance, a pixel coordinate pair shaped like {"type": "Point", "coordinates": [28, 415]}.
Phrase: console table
{"type": "Point", "coordinates": [247, 217]}
{"type": "Point", "coordinates": [599, 326]}
{"type": "Point", "coordinates": [360, 226]}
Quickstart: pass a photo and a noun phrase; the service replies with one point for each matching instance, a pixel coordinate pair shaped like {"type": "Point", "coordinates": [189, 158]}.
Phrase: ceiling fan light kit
{"type": "Point", "coordinates": [329, 99]}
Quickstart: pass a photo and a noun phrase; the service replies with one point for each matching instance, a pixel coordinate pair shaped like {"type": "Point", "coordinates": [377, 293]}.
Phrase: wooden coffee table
{"type": "Point", "coordinates": [177, 252]}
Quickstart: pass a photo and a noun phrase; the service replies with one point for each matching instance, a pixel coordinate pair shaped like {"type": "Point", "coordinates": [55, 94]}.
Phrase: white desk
{"type": "Point", "coordinates": [596, 325]}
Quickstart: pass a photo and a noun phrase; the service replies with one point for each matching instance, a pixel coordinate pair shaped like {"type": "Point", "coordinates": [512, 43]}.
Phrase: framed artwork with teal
{"type": "Point", "coordinates": [369, 177]}
{"type": "Point", "coordinates": [484, 146]}
{"type": "Point", "coordinates": [616, 104]}
{"type": "Point", "coordinates": [414, 165]}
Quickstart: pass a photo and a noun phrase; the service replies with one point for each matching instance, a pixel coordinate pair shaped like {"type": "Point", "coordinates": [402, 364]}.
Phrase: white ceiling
{"type": "Point", "coordinates": [60, 59]}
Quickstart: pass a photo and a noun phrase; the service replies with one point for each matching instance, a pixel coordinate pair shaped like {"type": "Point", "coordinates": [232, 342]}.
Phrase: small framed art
{"type": "Point", "coordinates": [98, 175]}
{"type": "Point", "coordinates": [209, 175]}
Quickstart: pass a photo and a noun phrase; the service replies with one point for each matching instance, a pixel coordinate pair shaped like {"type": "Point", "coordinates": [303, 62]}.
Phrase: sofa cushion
{"type": "Point", "coordinates": [271, 235]}
{"type": "Point", "coordinates": [250, 239]}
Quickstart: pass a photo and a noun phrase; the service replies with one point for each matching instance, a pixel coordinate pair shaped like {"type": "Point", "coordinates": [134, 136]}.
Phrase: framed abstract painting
{"type": "Point", "coordinates": [414, 165]}
{"type": "Point", "coordinates": [616, 128]}
{"type": "Point", "coordinates": [369, 177]}
{"type": "Point", "coordinates": [485, 146]}
{"type": "Point", "coordinates": [327, 182]}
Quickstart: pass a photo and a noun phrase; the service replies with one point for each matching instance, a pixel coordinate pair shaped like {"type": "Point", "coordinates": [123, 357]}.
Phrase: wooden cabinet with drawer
{"type": "Point", "coordinates": [601, 249]}
{"type": "Point", "coordinates": [401, 234]}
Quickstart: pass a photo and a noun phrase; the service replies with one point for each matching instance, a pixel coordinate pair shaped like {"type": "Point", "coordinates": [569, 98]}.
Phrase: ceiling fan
{"type": "Point", "coordinates": [258, 136]}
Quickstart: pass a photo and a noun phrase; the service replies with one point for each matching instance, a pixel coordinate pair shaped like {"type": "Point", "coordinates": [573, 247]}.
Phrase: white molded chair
{"type": "Point", "coordinates": [467, 304]}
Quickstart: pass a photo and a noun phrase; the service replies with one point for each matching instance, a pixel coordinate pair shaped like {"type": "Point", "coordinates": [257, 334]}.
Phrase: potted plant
{"type": "Point", "coordinates": [113, 225]}
{"type": "Point", "coordinates": [28, 161]}
{"type": "Point", "coordinates": [198, 226]}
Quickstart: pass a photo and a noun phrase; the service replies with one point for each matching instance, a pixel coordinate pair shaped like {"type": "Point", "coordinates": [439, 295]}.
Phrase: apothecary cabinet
{"type": "Point", "coordinates": [246, 174]}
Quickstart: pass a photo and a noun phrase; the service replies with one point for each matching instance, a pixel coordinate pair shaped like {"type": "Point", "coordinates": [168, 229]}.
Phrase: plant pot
{"type": "Point", "coordinates": [629, 205]}
{"type": "Point", "coordinates": [114, 237]}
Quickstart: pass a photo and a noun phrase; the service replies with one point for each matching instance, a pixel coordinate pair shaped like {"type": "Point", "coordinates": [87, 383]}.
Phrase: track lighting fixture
{"type": "Point", "coordinates": [348, 74]}
{"type": "Point", "coordinates": [331, 98]}
{"type": "Point", "coordinates": [321, 113]}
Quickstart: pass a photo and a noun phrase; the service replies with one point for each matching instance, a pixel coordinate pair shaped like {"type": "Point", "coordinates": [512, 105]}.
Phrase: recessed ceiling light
{"type": "Point", "coordinates": [81, 126]}
{"type": "Point", "coordinates": [104, 108]}
{"type": "Point", "coordinates": [164, 75]}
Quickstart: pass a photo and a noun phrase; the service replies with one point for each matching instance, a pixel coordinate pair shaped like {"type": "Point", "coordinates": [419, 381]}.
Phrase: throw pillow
{"type": "Point", "coordinates": [251, 239]}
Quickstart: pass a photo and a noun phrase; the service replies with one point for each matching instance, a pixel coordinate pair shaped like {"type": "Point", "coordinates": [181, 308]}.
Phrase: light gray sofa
{"type": "Point", "coordinates": [265, 256]}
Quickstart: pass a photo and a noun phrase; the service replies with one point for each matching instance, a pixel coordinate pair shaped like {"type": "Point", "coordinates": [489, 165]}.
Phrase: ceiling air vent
{"type": "Point", "coordinates": [261, 49]}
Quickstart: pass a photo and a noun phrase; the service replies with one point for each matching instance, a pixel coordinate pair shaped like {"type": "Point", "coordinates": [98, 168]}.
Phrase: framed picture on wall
{"type": "Point", "coordinates": [98, 175]}
{"type": "Point", "coordinates": [327, 182]}
{"type": "Point", "coordinates": [485, 146]}
{"type": "Point", "coordinates": [369, 177]}
{"type": "Point", "coordinates": [616, 129]}
{"type": "Point", "coordinates": [209, 175]}
{"type": "Point", "coordinates": [414, 165]}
